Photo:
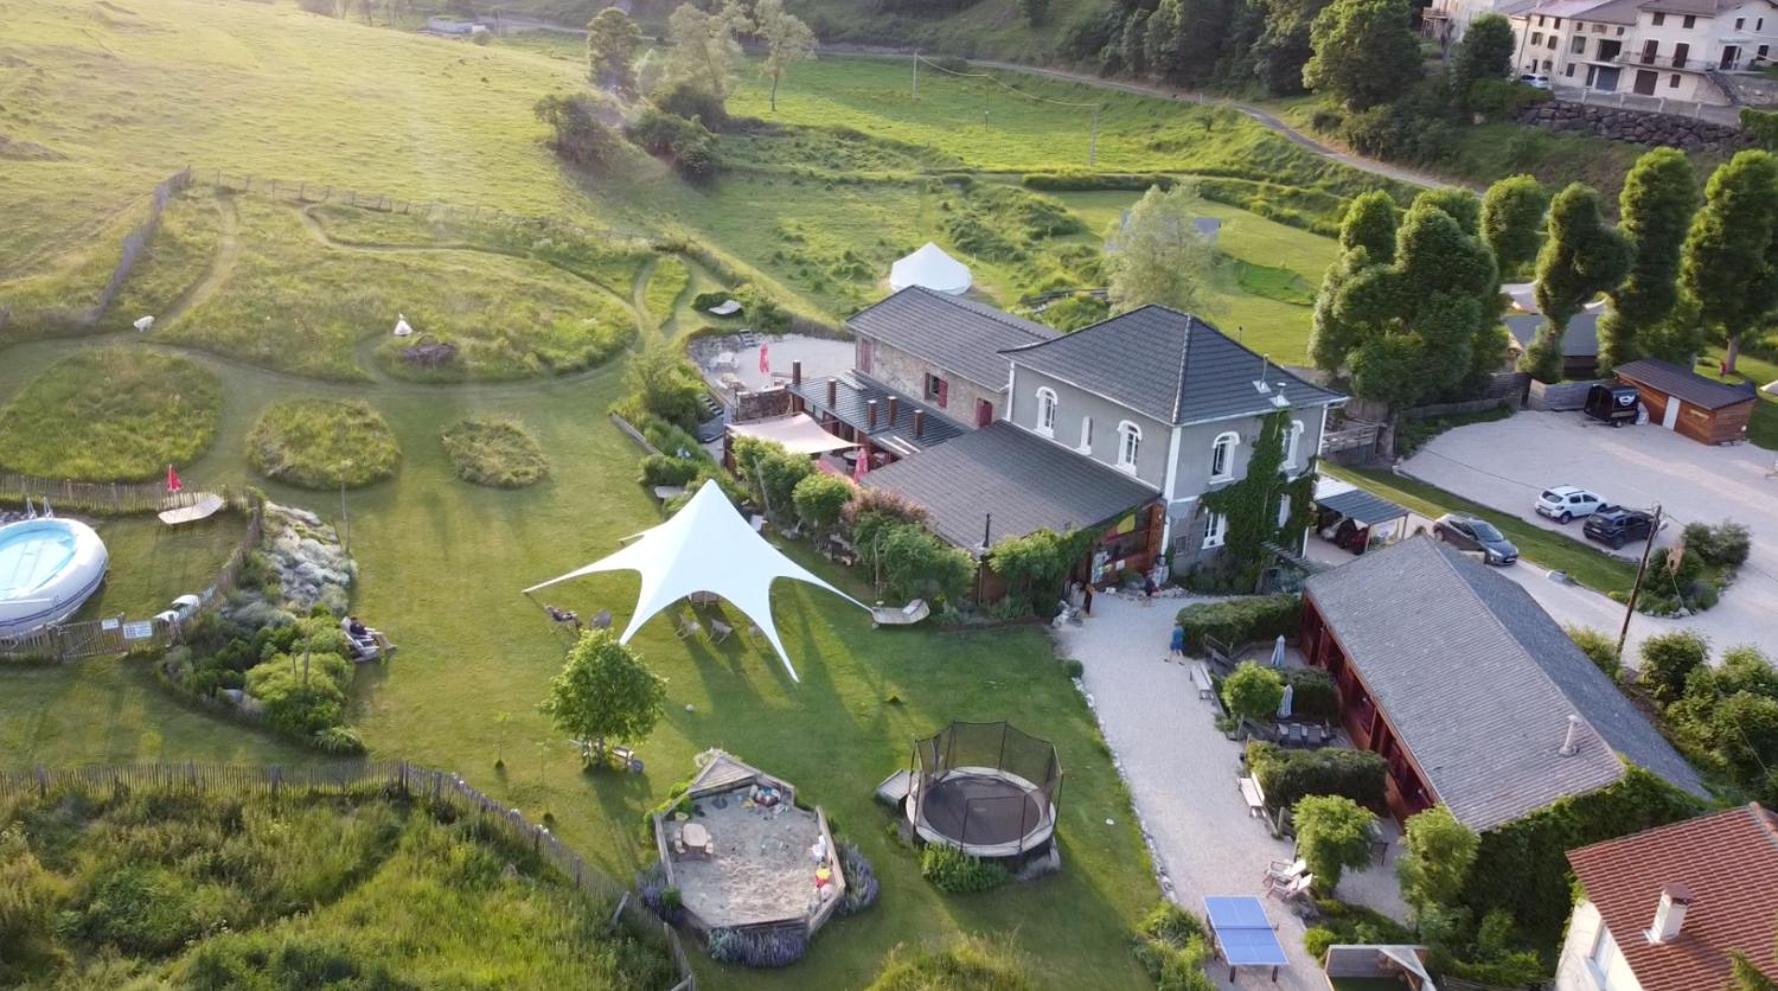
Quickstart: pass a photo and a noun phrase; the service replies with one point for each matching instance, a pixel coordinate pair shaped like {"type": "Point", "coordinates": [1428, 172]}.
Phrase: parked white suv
{"type": "Point", "coordinates": [1567, 502]}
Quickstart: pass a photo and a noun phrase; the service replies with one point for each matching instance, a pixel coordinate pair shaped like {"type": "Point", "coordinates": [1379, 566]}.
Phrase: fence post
{"type": "Point", "coordinates": [42, 782]}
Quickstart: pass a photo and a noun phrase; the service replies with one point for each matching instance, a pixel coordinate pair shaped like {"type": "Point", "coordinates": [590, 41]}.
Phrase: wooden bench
{"type": "Point", "coordinates": [1254, 796]}
{"type": "Point", "coordinates": [1201, 678]}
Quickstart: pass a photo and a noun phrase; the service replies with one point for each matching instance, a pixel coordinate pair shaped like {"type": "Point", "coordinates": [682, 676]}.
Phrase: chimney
{"type": "Point", "coordinates": [894, 403]}
{"type": "Point", "coordinates": [919, 422]}
{"type": "Point", "coordinates": [1571, 742]}
{"type": "Point", "coordinates": [1670, 914]}
{"type": "Point", "coordinates": [870, 407]}
{"type": "Point", "coordinates": [796, 373]}
{"type": "Point", "coordinates": [833, 393]}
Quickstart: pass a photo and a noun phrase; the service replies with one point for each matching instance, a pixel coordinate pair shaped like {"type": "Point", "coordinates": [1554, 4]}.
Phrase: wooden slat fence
{"type": "Point", "coordinates": [117, 634]}
{"type": "Point", "coordinates": [105, 497]}
{"type": "Point", "coordinates": [441, 788]}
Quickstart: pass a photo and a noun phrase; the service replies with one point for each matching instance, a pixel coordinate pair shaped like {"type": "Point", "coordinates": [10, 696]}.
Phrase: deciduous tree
{"type": "Point", "coordinates": [1254, 692]}
{"type": "Point", "coordinates": [579, 135]}
{"type": "Point", "coordinates": [1437, 852]}
{"type": "Point", "coordinates": [1365, 52]}
{"type": "Point", "coordinates": [1283, 47]}
{"type": "Point", "coordinates": [1155, 255]}
{"type": "Point", "coordinates": [704, 49]}
{"type": "Point", "coordinates": [1485, 52]}
{"type": "Point", "coordinates": [604, 692]}
{"type": "Point", "coordinates": [611, 43]}
{"type": "Point", "coordinates": [819, 499]}
{"type": "Point", "coordinates": [1582, 257]}
{"type": "Point", "coordinates": [1512, 216]}
{"type": "Point", "coordinates": [787, 40]}
{"type": "Point", "coordinates": [1659, 196]}
{"type": "Point", "coordinates": [1333, 834]}
{"type": "Point", "coordinates": [1729, 264]}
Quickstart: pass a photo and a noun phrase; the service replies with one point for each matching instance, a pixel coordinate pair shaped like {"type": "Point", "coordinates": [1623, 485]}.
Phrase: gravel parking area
{"type": "Point", "coordinates": [1181, 775]}
{"type": "Point", "coordinates": [1504, 464]}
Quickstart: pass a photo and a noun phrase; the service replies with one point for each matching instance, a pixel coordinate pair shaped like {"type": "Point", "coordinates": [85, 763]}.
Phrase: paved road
{"type": "Point", "coordinates": [1505, 464]}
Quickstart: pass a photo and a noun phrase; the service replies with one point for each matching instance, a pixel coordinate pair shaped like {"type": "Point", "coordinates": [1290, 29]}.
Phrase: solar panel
{"type": "Point", "coordinates": [1244, 933]}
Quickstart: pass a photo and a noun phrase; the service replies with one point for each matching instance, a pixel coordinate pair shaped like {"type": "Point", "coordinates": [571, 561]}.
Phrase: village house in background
{"type": "Point", "coordinates": [1665, 909]}
{"type": "Point", "coordinates": [1673, 49]}
{"type": "Point", "coordinates": [1475, 696]}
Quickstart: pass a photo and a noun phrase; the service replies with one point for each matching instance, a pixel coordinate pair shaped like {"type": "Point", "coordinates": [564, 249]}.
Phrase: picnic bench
{"type": "Point", "coordinates": [1254, 795]}
{"type": "Point", "coordinates": [1201, 678]}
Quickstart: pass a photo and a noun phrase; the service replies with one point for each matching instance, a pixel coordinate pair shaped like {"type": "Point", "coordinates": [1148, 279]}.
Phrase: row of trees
{"type": "Point", "coordinates": [1410, 311]}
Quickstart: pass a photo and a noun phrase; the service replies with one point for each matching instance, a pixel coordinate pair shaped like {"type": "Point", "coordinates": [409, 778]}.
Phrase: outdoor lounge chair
{"type": "Point", "coordinates": [1282, 872]}
{"type": "Point", "coordinates": [1292, 890]}
{"type": "Point", "coordinates": [720, 631]}
{"type": "Point", "coordinates": [687, 627]}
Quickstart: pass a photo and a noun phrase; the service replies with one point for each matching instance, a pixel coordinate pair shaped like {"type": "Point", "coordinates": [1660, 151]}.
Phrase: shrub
{"type": "Point", "coordinates": [1437, 852]}
{"type": "Point", "coordinates": [918, 565]}
{"type": "Point", "coordinates": [861, 879]}
{"type": "Point", "coordinates": [967, 963]}
{"type": "Point", "coordinates": [1073, 668]}
{"type": "Point", "coordinates": [659, 469]}
{"type": "Point", "coordinates": [758, 948]}
{"type": "Point", "coordinates": [496, 452]}
{"type": "Point", "coordinates": [323, 444]}
{"type": "Point", "coordinates": [1172, 946]}
{"type": "Point", "coordinates": [1724, 545]}
{"type": "Point", "coordinates": [1253, 692]}
{"type": "Point", "coordinates": [1076, 311]}
{"type": "Point", "coordinates": [1667, 659]}
{"type": "Point", "coordinates": [1358, 924]}
{"type": "Point", "coordinates": [1599, 647]}
{"type": "Point", "coordinates": [1332, 834]}
{"type": "Point", "coordinates": [1316, 940]}
{"type": "Point", "coordinates": [1288, 776]}
{"type": "Point", "coordinates": [687, 144]}
{"type": "Point", "coordinates": [339, 740]}
{"type": "Point", "coordinates": [692, 102]}
{"type": "Point", "coordinates": [1239, 621]}
{"type": "Point", "coordinates": [820, 499]}
{"type": "Point", "coordinates": [771, 472]}
{"type": "Point", "coordinates": [1169, 922]}
{"type": "Point", "coordinates": [577, 133]}
{"type": "Point", "coordinates": [704, 301]}
{"type": "Point", "coordinates": [957, 873]}
{"type": "Point", "coordinates": [1313, 694]}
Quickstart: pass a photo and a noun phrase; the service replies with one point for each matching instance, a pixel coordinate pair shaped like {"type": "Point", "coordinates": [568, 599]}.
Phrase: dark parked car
{"type": "Point", "coordinates": [1615, 526]}
{"type": "Point", "coordinates": [1472, 534]}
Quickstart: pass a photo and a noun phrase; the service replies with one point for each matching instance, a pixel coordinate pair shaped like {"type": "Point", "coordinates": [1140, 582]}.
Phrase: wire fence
{"type": "Point", "coordinates": [119, 634]}
{"type": "Point", "coordinates": [442, 789]}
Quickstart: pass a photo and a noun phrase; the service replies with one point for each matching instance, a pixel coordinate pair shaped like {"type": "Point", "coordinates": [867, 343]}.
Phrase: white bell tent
{"type": "Point", "coordinates": [705, 547]}
{"type": "Point", "coordinates": [930, 268]}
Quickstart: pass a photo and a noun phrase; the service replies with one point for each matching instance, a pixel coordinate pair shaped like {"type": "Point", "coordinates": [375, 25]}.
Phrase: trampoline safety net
{"type": "Point", "coordinates": [986, 784]}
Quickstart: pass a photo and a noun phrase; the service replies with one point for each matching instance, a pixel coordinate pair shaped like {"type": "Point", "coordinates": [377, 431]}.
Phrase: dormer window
{"type": "Point", "coordinates": [1129, 445]}
{"type": "Point", "coordinates": [1293, 442]}
{"type": "Point", "coordinates": [1046, 411]}
{"type": "Point", "coordinates": [1222, 456]}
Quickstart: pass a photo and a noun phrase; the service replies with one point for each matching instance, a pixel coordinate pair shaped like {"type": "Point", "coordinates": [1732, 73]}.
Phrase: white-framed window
{"type": "Point", "coordinates": [1283, 512]}
{"type": "Point", "coordinates": [1129, 444]}
{"type": "Point", "coordinates": [1222, 456]}
{"type": "Point", "coordinates": [1601, 956]}
{"type": "Point", "coordinates": [1046, 411]}
{"type": "Point", "coordinates": [1293, 442]}
{"type": "Point", "coordinates": [1216, 530]}
{"type": "Point", "coordinates": [1086, 435]}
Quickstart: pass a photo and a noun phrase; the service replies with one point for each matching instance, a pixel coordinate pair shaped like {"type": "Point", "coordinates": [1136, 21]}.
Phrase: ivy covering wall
{"type": "Point", "coordinates": [1252, 508]}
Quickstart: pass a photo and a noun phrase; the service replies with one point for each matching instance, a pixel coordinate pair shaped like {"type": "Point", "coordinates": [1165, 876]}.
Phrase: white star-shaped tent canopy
{"type": "Point", "coordinates": [705, 547]}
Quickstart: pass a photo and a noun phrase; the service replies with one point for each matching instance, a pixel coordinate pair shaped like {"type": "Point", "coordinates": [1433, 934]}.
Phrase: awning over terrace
{"type": "Point", "coordinates": [705, 547]}
{"type": "Point", "coordinates": [1355, 503]}
{"type": "Point", "coordinates": [796, 433]}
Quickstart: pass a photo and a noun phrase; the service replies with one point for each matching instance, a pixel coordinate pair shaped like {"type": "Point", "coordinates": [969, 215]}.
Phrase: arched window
{"type": "Point", "coordinates": [1293, 442]}
{"type": "Point", "coordinates": [1129, 444]}
{"type": "Point", "coordinates": [1222, 456]}
{"type": "Point", "coordinates": [1086, 435]}
{"type": "Point", "coordinates": [1046, 411]}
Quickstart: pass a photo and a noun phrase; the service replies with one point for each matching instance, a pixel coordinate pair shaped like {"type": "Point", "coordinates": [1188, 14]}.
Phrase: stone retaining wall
{"type": "Point", "coordinates": [1634, 126]}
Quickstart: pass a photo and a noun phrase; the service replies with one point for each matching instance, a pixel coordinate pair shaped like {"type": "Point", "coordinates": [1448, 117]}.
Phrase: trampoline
{"type": "Point", "coordinates": [988, 789]}
{"type": "Point", "coordinates": [1243, 934]}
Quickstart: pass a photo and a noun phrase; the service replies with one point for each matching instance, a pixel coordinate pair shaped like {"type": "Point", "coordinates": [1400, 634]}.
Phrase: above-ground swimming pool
{"type": "Point", "coordinates": [47, 569]}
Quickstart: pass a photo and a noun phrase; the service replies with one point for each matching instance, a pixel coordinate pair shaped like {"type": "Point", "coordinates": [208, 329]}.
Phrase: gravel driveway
{"type": "Point", "coordinates": [1181, 775]}
{"type": "Point", "coordinates": [1504, 464]}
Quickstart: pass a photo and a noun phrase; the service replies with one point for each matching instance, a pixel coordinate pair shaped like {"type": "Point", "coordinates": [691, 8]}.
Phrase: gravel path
{"type": "Point", "coordinates": [1181, 775]}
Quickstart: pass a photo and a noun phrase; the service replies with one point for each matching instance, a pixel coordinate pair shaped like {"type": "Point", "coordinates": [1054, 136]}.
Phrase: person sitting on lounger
{"type": "Point", "coordinates": [561, 615]}
{"type": "Point", "coordinates": [356, 628]}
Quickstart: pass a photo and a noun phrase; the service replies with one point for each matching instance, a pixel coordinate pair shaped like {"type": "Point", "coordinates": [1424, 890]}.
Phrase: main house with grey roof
{"type": "Point", "coordinates": [1119, 427]}
{"type": "Point", "coordinates": [1474, 695]}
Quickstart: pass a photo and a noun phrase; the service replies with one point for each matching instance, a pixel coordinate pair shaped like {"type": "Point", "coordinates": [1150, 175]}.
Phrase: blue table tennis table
{"type": "Point", "coordinates": [1243, 934]}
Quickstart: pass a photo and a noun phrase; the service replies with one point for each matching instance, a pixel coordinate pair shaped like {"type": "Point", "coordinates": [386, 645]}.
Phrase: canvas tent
{"type": "Point", "coordinates": [930, 268]}
{"type": "Point", "coordinates": [797, 433]}
{"type": "Point", "coordinates": [705, 547]}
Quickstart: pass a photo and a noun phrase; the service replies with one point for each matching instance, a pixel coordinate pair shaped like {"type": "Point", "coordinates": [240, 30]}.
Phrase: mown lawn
{"type": "Point", "coordinates": [1594, 569]}
{"type": "Point", "coordinates": [441, 565]}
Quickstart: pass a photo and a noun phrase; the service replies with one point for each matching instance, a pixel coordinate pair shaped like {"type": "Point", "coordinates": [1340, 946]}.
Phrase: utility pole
{"type": "Point", "coordinates": [916, 75]}
{"type": "Point", "coordinates": [1636, 589]}
{"type": "Point", "coordinates": [1093, 145]}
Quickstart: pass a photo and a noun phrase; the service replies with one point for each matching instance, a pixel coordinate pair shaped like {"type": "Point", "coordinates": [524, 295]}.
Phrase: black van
{"type": "Point", "coordinates": [1613, 404]}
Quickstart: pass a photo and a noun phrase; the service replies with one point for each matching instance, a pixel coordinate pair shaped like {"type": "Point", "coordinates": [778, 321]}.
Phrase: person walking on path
{"type": "Point", "coordinates": [1176, 651]}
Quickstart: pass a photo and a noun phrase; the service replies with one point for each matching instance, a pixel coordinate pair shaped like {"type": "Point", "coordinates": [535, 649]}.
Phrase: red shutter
{"type": "Point", "coordinates": [944, 393]}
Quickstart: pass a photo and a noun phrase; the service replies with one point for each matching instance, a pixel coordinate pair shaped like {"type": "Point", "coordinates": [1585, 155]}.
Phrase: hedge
{"type": "Point", "coordinates": [1313, 694]}
{"type": "Point", "coordinates": [1288, 775]}
{"type": "Point", "coordinates": [1238, 621]}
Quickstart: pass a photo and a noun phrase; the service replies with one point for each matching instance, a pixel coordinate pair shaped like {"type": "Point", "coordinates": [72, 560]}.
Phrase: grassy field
{"type": "Point", "coordinates": [323, 444]}
{"type": "Point", "coordinates": [1593, 568]}
{"type": "Point", "coordinates": [1762, 429]}
{"type": "Point", "coordinates": [111, 415]}
{"type": "Point", "coordinates": [355, 890]}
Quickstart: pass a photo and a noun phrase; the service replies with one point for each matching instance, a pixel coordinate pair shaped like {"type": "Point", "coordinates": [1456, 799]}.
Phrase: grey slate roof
{"type": "Point", "coordinates": [1478, 682]}
{"type": "Point", "coordinates": [1579, 340]}
{"type": "Point", "coordinates": [852, 407]}
{"type": "Point", "coordinates": [957, 335]}
{"type": "Point", "coordinates": [1685, 384]}
{"type": "Point", "coordinates": [1026, 482]}
{"type": "Point", "coordinates": [1169, 365]}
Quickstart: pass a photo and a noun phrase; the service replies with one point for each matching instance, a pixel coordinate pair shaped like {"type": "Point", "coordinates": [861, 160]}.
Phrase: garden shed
{"type": "Point", "coordinates": [1687, 403]}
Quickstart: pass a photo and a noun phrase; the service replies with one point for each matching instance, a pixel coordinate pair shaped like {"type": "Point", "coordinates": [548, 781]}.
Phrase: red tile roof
{"type": "Point", "coordinates": [1729, 861]}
